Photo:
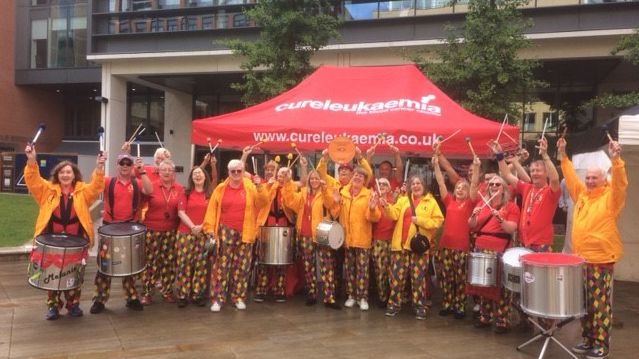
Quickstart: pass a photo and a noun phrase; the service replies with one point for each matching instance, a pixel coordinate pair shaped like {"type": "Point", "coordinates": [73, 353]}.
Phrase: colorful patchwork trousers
{"type": "Point", "coordinates": [160, 261]}
{"type": "Point", "coordinates": [231, 270]}
{"type": "Point", "coordinates": [495, 310]}
{"type": "Point", "coordinates": [72, 297]}
{"type": "Point", "coordinates": [381, 260]}
{"type": "Point", "coordinates": [597, 323]}
{"type": "Point", "coordinates": [404, 264]}
{"type": "Point", "coordinates": [356, 265]}
{"type": "Point", "coordinates": [306, 251]}
{"type": "Point", "coordinates": [264, 274]}
{"type": "Point", "coordinates": [191, 266]}
{"type": "Point", "coordinates": [103, 287]}
{"type": "Point", "coordinates": [452, 278]}
{"type": "Point", "coordinates": [327, 272]}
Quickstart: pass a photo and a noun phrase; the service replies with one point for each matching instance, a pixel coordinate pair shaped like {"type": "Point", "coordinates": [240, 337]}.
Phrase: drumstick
{"type": "Point", "coordinates": [158, 138]}
{"type": "Point", "coordinates": [254, 160]}
{"type": "Point", "coordinates": [41, 128]}
{"type": "Point", "coordinates": [501, 129]}
{"type": "Point", "coordinates": [379, 191]}
{"type": "Point", "coordinates": [406, 170]}
{"type": "Point", "coordinates": [289, 157]}
{"type": "Point", "coordinates": [295, 148]}
{"type": "Point", "coordinates": [208, 140]}
{"type": "Point", "coordinates": [511, 138]}
{"type": "Point", "coordinates": [135, 133]}
{"type": "Point", "coordinates": [219, 141]}
{"type": "Point", "coordinates": [470, 145]}
{"type": "Point", "coordinates": [563, 133]}
{"type": "Point", "coordinates": [449, 137]}
{"type": "Point", "coordinates": [543, 132]}
{"type": "Point", "coordinates": [137, 144]}
{"type": "Point", "coordinates": [487, 202]}
{"type": "Point", "coordinates": [293, 163]}
{"type": "Point", "coordinates": [101, 139]}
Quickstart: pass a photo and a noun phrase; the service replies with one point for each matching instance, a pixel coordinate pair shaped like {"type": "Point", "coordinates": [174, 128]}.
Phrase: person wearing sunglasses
{"type": "Point", "coordinates": [494, 220]}
{"type": "Point", "coordinates": [231, 217]}
{"type": "Point", "coordinates": [122, 203]}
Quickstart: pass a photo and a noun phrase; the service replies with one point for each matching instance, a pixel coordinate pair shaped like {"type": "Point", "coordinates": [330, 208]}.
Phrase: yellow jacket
{"type": "Point", "coordinates": [270, 190]}
{"type": "Point", "coordinates": [429, 219]}
{"type": "Point", "coordinates": [296, 200]}
{"type": "Point", "coordinates": [355, 216]}
{"type": "Point", "coordinates": [595, 236]}
{"type": "Point", "coordinates": [47, 195]}
{"type": "Point", "coordinates": [254, 202]}
{"type": "Point", "coordinates": [332, 181]}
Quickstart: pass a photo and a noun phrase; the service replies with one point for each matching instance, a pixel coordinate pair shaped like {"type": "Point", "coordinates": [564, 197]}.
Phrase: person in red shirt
{"type": "Point", "coordinates": [454, 243]}
{"type": "Point", "coordinates": [386, 169]}
{"type": "Point", "coordinates": [122, 203]}
{"type": "Point", "coordinates": [494, 220]}
{"type": "Point", "coordinates": [161, 221]}
{"type": "Point", "coordinates": [192, 245]}
{"type": "Point", "coordinates": [382, 235]}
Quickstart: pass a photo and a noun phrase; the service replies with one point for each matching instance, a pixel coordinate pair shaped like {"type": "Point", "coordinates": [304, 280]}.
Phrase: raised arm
{"type": "Point", "coordinates": [619, 183]}
{"type": "Point", "coordinates": [504, 171]}
{"type": "Point", "coordinates": [553, 175]}
{"type": "Point", "coordinates": [445, 165]}
{"type": "Point", "coordinates": [399, 165]}
{"type": "Point", "coordinates": [573, 185]}
{"type": "Point", "coordinates": [439, 177]}
{"type": "Point", "coordinates": [474, 180]}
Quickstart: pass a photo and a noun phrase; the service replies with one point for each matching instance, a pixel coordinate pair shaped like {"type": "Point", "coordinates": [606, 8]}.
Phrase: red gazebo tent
{"type": "Point", "coordinates": [359, 102]}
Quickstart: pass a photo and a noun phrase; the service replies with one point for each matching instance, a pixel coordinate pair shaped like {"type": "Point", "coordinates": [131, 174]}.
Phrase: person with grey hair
{"type": "Point", "coordinates": [595, 237]}
{"type": "Point", "coordinates": [161, 220]}
{"type": "Point", "coordinates": [231, 216]}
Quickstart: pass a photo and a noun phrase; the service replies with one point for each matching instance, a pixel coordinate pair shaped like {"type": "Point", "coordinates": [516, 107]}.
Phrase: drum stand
{"type": "Point", "coordinates": [549, 334]}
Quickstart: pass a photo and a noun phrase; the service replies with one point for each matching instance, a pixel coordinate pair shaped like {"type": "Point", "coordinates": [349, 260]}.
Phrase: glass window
{"type": "Point", "coordinates": [529, 121]}
{"type": "Point", "coordinates": [146, 106]}
{"type": "Point", "coordinates": [39, 43]}
{"type": "Point", "coordinates": [222, 20]}
{"type": "Point", "coordinates": [140, 5]}
{"type": "Point", "coordinates": [124, 26]}
{"type": "Point", "coordinates": [191, 23]}
{"type": "Point", "coordinates": [172, 24]}
{"type": "Point", "coordinates": [140, 26]}
{"type": "Point", "coordinates": [240, 20]}
{"type": "Point", "coordinates": [207, 22]}
{"type": "Point", "coordinates": [169, 4]}
{"type": "Point", "coordinates": [157, 25]}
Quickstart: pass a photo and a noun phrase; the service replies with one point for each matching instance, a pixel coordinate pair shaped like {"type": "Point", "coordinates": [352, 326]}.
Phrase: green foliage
{"type": "Point", "coordinates": [478, 65]}
{"type": "Point", "coordinates": [290, 32]}
{"type": "Point", "coordinates": [629, 44]}
{"type": "Point", "coordinates": [18, 218]}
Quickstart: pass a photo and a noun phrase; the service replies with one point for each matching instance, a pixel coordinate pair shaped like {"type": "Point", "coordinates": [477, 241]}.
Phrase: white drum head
{"type": "Point", "coordinates": [511, 256]}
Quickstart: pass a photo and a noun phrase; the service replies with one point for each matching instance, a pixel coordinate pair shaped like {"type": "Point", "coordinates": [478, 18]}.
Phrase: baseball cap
{"type": "Point", "coordinates": [124, 156]}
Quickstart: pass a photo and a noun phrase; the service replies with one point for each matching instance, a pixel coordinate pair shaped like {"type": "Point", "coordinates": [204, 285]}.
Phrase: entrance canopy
{"type": "Point", "coordinates": [364, 103]}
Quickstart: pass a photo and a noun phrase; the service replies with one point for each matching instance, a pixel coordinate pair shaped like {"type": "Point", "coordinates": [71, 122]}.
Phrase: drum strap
{"type": "Point", "coordinates": [134, 204]}
{"type": "Point", "coordinates": [65, 216]}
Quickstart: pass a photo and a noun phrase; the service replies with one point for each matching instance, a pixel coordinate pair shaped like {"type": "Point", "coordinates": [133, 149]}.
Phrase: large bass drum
{"type": "Point", "coordinates": [330, 233]}
{"type": "Point", "coordinates": [121, 249]}
{"type": "Point", "coordinates": [57, 262]}
{"type": "Point", "coordinates": [277, 245]}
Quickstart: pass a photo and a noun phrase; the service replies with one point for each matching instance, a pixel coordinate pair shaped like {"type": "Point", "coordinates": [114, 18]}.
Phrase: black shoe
{"type": "Point", "coordinates": [134, 304]}
{"type": "Point", "coordinates": [333, 305]}
{"type": "Point", "coordinates": [501, 329]}
{"type": "Point", "coordinates": [480, 324]}
{"type": "Point", "coordinates": [310, 301]}
{"type": "Point", "coordinates": [259, 298]}
{"type": "Point", "coordinates": [280, 299]}
{"type": "Point", "coordinates": [460, 315]}
{"type": "Point", "coordinates": [181, 303]}
{"type": "Point", "coordinates": [96, 308]}
{"type": "Point", "coordinates": [382, 303]}
{"type": "Point", "coordinates": [445, 312]}
{"type": "Point", "coordinates": [200, 301]}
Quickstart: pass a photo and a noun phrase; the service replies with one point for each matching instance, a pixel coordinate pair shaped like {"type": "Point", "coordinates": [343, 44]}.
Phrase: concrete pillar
{"type": "Point", "coordinates": [178, 113]}
{"type": "Point", "coordinates": [113, 115]}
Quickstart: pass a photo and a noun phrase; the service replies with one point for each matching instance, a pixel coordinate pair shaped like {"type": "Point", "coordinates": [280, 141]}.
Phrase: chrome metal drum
{"type": "Point", "coordinates": [121, 249]}
{"type": "Point", "coordinates": [330, 233]}
{"type": "Point", "coordinates": [482, 269]}
{"type": "Point", "coordinates": [277, 246]}
{"type": "Point", "coordinates": [57, 262]}
{"type": "Point", "coordinates": [511, 268]}
{"type": "Point", "coordinates": [552, 285]}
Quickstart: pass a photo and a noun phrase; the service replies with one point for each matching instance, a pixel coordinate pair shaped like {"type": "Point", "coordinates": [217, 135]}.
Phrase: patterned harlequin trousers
{"type": "Point", "coordinates": [597, 323]}
{"type": "Point", "coordinates": [264, 273]}
{"type": "Point", "coordinates": [356, 265]}
{"type": "Point", "coordinates": [492, 310]}
{"type": "Point", "coordinates": [452, 274]}
{"type": "Point", "coordinates": [72, 297]}
{"type": "Point", "coordinates": [381, 260]}
{"type": "Point", "coordinates": [306, 251]}
{"type": "Point", "coordinates": [406, 264]}
{"type": "Point", "coordinates": [103, 287]}
{"type": "Point", "coordinates": [231, 270]}
{"type": "Point", "coordinates": [191, 266]}
{"type": "Point", "coordinates": [160, 261]}
{"type": "Point", "coordinates": [327, 271]}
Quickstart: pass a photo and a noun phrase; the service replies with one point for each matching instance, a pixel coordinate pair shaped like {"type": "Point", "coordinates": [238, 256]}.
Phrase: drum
{"type": "Point", "coordinates": [277, 245]}
{"type": "Point", "coordinates": [121, 249]}
{"type": "Point", "coordinates": [511, 278]}
{"type": "Point", "coordinates": [330, 233]}
{"type": "Point", "coordinates": [482, 269]}
{"type": "Point", "coordinates": [57, 262]}
{"type": "Point", "coordinates": [552, 285]}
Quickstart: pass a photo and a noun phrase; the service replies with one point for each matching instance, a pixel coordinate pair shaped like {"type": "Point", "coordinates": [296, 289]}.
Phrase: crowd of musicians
{"type": "Point", "coordinates": [200, 242]}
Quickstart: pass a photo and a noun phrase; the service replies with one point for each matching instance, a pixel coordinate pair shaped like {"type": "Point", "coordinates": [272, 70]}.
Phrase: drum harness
{"type": "Point", "coordinates": [111, 199]}
{"type": "Point", "coordinates": [65, 217]}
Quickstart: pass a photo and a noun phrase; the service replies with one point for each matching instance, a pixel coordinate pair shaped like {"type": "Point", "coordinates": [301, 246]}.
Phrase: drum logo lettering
{"type": "Point", "coordinates": [529, 277]}
{"type": "Point", "coordinates": [489, 270]}
{"type": "Point", "coordinates": [56, 276]}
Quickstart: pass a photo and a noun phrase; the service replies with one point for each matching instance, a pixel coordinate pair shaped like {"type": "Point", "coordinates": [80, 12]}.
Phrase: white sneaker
{"type": "Point", "coordinates": [240, 305]}
{"type": "Point", "coordinates": [476, 308]}
{"type": "Point", "coordinates": [350, 302]}
{"type": "Point", "coordinates": [215, 307]}
{"type": "Point", "coordinates": [363, 304]}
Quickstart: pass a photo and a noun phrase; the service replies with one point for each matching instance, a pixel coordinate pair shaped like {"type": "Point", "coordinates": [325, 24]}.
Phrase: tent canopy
{"type": "Point", "coordinates": [363, 103]}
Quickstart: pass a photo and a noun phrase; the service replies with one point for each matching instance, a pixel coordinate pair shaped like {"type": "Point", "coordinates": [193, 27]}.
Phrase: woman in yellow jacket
{"type": "Point", "coordinates": [427, 218]}
{"type": "Point", "coordinates": [231, 216]}
{"type": "Point", "coordinates": [64, 208]}
{"type": "Point", "coordinates": [358, 210]}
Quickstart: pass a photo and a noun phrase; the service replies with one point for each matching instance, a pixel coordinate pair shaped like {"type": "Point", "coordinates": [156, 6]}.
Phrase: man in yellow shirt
{"type": "Point", "coordinates": [595, 238]}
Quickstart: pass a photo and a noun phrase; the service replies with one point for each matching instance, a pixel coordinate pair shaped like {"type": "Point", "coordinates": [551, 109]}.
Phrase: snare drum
{"type": "Point", "coordinates": [330, 233]}
{"type": "Point", "coordinates": [511, 278]}
{"type": "Point", "coordinates": [121, 249]}
{"type": "Point", "coordinates": [482, 269]}
{"type": "Point", "coordinates": [57, 262]}
{"type": "Point", "coordinates": [552, 285]}
{"type": "Point", "coordinates": [277, 245]}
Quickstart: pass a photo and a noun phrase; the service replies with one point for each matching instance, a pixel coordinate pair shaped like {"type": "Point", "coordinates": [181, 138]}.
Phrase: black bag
{"type": "Point", "coordinates": [419, 244]}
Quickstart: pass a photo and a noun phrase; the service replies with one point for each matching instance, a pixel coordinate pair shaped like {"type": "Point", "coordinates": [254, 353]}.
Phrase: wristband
{"type": "Point", "coordinates": [499, 156]}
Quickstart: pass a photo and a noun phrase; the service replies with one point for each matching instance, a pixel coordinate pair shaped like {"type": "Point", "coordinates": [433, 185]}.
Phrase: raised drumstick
{"type": "Point", "coordinates": [295, 148]}
{"type": "Point", "coordinates": [135, 133]}
{"type": "Point", "coordinates": [293, 163]}
{"type": "Point", "coordinates": [543, 132]}
{"type": "Point", "coordinates": [41, 128]}
{"type": "Point", "coordinates": [101, 138]}
{"type": "Point", "coordinates": [158, 138]}
{"type": "Point", "coordinates": [254, 160]}
{"type": "Point", "coordinates": [470, 145]}
{"type": "Point", "coordinates": [511, 138]}
{"type": "Point", "coordinates": [406, 170]}
{"type": "Point", "coordinates": [501, 129]}
{"type": "Point", "coordinates": [449, 137]}
{"type": "Point", "coordinates": [219, 142]}
{"type": "Point", "coordinates": [208, 140]}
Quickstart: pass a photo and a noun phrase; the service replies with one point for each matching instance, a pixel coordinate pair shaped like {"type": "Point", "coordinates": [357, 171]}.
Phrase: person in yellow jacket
{"type": "Point", "coordinates": [427, 219]}
{"type": "Point", "coordinates": [64, 203]}
{"type": "Point", "coordinates": [596, 239]}
{"type": "Point", "coordinates": [231, 216]}
{"type": "Point", "coordinates": [358, 210]}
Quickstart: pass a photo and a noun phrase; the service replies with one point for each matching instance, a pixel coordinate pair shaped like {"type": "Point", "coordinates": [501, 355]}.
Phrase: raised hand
{"type": "Point", "coordinates": [614, 149]}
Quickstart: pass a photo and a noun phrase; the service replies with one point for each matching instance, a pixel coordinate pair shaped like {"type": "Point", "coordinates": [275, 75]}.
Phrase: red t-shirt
{"type": "Point", "coordinates": [455, 234]}
{"type": "Point", "coordinates": [277, 207]}
{"type": "Point", "coordinates": [306, 229]}
{"type": "Point", "coordinates": [509, 212]}
{"type": "Point", "coordinates": [538, 209]}
{"type": "Point", "coordinates": [233, 207]}
{"type": "Point", "coordinates": [71, 228]}
{"type": "Point", "coordinates": [152, 172]}
{"type": "Point", "coordinates": [383, 229]}
{"type": "Point", "coordinates": [162, 207]}
{"type": "Point", "coordinates": [122, 200]}
{"type": "Point", "coordinates": [195, 207]}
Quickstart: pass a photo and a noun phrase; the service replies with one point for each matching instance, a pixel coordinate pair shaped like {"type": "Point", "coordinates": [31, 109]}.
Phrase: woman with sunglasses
{"type": "Point", "coordinates": [426, 218]}
{"type": "Point", "coordinates": [231, 216]}
{"type": "Point", "coordinates": [161, 221]}
{"type": "Point", "coordinates": [494, 220]}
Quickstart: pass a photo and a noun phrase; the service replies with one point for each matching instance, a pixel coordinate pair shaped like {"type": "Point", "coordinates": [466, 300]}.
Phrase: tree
{"type": "Point", "coordinates": [478, 65]}
{"type": "Point", "coordinates": [290, 32]}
